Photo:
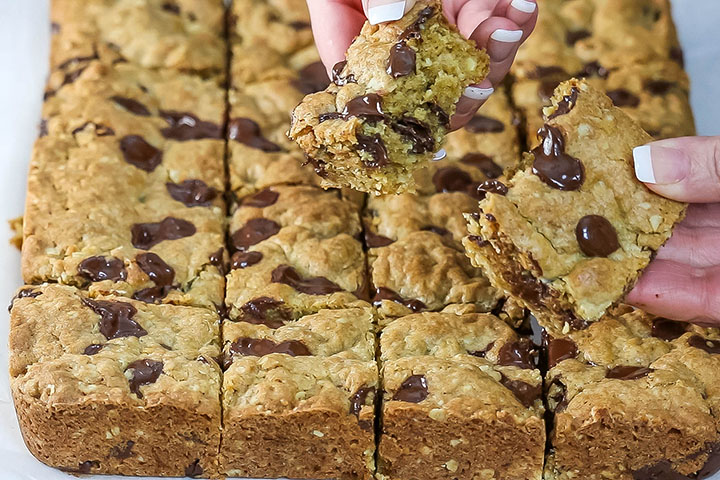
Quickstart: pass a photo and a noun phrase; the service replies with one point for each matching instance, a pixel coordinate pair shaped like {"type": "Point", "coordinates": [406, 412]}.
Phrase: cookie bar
{"type": "Point", "coordinates": [148, 220]}
{"type": "Point", "coordinates": [634, 397]}
{"type": "Point", "coordinates": [573, 230]}
{"type": "Point", "coordinates": [96, 381]}
{"type": "Point", "coordinates": [389, 106]}
{"type": "Point", "coordinates": [460, 392]}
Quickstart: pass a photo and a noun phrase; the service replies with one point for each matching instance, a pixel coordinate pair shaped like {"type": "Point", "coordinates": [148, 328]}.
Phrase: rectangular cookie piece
{"type": "Point", "coordinates": [634, 397]}
{"type": "Point", "coordinates": [97, 381]}
{"type": "Point", "coordinates": [461, 393]}
{"type": "Point", "coordinates": [574, 229]}
{"type": "Point", "coordinates": [388, 108]}
{"type": "Point", "coordinates": [124, 189]}
{"type": "Point", "coordinates": [299, 417]}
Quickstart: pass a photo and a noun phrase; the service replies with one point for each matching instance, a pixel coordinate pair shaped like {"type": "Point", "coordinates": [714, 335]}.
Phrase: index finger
{"type": "Point", "coordinates": [335, 24]}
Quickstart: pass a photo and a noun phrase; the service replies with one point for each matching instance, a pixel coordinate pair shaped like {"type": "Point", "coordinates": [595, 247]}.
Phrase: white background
{"type": "Point", "coordinates": [23, 66]}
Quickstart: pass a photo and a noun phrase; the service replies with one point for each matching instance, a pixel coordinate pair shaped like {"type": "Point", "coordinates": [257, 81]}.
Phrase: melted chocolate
{"type": "Point", "coordinates": [561, 349]}
{"type": "Point", "coordinates": [566, 104]}
{"type": "Point", "coordinates": [483, 352]}
{"type": "Point", "coordinates": [520, 353]}
{"type": "Point", "coordinates": [575, 36]}
{"type": "Point", "coordinates": [147, 235]}
{"type": "Point", "coordinates": [375, 147]}
{"type": "Point", "coordinates": [668, 329]}
{"type": "Point", "coordinates": [623, 98]}
{"type": "Point", "coordinates": [627, 372]}
{"type": "Point", "coordinates": [359, 398]}
{"type": "Point", "coordinates": [259, 347]}
{"type": "Point", "coordinates": [194, 469]}
{"type": "Point", "coordinates": [553, 165]}
{"type": "Point", "coordinates": [441, 114]}
{"type": "Point", "coordinates": [313, 78]}
{"type": "Point", "coordinates": [414, 390]}
{"type": "Point", "coordinates": [123, 450]}
{"type": "Point", "coordinates": [100, 130]}
{"type": "Point", "coordinates": [192, 193]}
{"type": "Point", "coordinates": [491, 186]}
{"type": "Point", "coordinates": [452, 179]}
{"type": "Point", "coordinates": [368, 106]}
{"type": "Point", "coordinates": [92, 349]}
{"type": "Point", "coordinates": [116, 318]}
{"type": "Point", "coordinates": [263, 198]}
{"type": "Point", "coordinates": [484, 163]}
{"type": "Point", "coordinates": [155, 268]}
{"type": "Point", "coordinates": [318, 166]}
{"type": "Point", "coordinates": [97, 269]}
{"type": "Point", "coordinates": [546, 71]}
{"type": "Point", "coordinates": [254, 231]}
{"type": "Point", "coordinates": [152, 294]}
{"type": "Point", "coordinates": [324, 117]}
{"type": "Point", "coordinates": [312, 286]}
{"type": "Point", "coordinates": [401, 61]}
{"type": "Point", "coordinates": [337, 77]}
{"type": "Point", "coordinates": [24, 293]}
{"type": "Point", "coordinates": [246, 131]}
{"type": "Point", "coordinates": [140, 153]}
{"type": "Point", "coordinates": [131, 105]}
{"type": "Point", "coordinates": [658, 87]}
{"type": "Point", "coordinates": [596, 236]}
{"type": "Point", "coordinates": [383, 293]}
{"type": "Point", "coordinates": [483, 124]}
{"type": "Point", "coordinates": [710, 346]}
{"type": "Point", "coordinates": [83, 467]}
{"type": "Point", "coordinates": [184, 126]}
{"type": "Point", "coordinates": [265, 311]}
{"type": "Point", "coordinates": [171, 7]}
{"type": "Point", "coordinates": [373, 240]}
{"type": "Point", "coordinates": [144, 372]}
{"type": "Point", "coordinates": [413, 31]}
{"type": "Point", "coordinates": [416, 132]}
{"type": "Point", "coordinates": [245, 259]}
{"type": "Point", "coordinates": [526, 393]}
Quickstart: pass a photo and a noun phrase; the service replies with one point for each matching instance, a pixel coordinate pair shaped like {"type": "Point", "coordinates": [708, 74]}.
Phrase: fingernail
{"type": "Point", "coordinates": [387, 12]}
{"type": "Point", "coordinates": [660, 165]}
{"type": "Point", "coordinates": [478, 93]}
{"type": "Point", "coordinates": [439, 155]}
{"type": "Point", "coordinates": [507, 36]}
{"type": "Point", "coordinates": [523, 6]}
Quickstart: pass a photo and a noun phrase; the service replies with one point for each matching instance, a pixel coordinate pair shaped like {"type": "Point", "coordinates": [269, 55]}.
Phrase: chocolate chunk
{"type": "Point", "coordinates": [116, 318]}
{"type": "Point", "coordinates": [566, 104]}
{"type": "Point", "coordinates": [140, 153]}
{"type": "Point", "coordinates": [478, 240]}
{"type": "Point", "coordinates": [313, 78]}
{"type": "Point", "coordinates": [265, 311]}
{"type": "Point", "coordinates": [384, 293]}
{"type": "Point", "coordinates": [254, 231]}
{"type": "Point", "coordinates": [401, 61]}
{"type": "Point", "coordinates": [553, 165]}
{"type": "Point", "coordinates": [452, 179]}
{"type": "Point", "coordinates": [83, 467]}
{"type": "Point", "coordinates": [491, 186]}
{"type": "Point", "coordinates": [245, 259]}
{"type": "Point", "coordinates": [369, 106]}
{"type": "Point", "coordinates": [97, 269]}
{"type": "Point", "coordinates": [155, 267]}
{"type": "Point", "coordinates": [171, 7]}
{"type": "Point", "coordinates": [414, 389]}
{"type": "Point", "coordinates": [413, 31]}
{"type": "Point", "coordinates": [92, 349]}
{"type": "Point", "coordinates": [668, 330]}
{"type": "Point", "coordinates": [147, 235]}
{"type": "Point", "coordinates": [324, 117]}
{"type": "Point", "coordinates": [560, 398]}
{"type": "Point", "coordinates": [298, 25]}
{"type": "Point", "coordinates": [575, 36]}
{"type": "Point", "coordinates": [596, 236]}
{"type": "Point", "coordinates": [312, 286]}
{"type": "Point", "coordinates": [710, 346]}
{"type": "Point", "coordinates": [526, 393]}
{"type": "Point", "coordinates": [184, 126]}
{"type": "Point", "coordinates": [24, 293]}
{"type": "Point", "coordinates": [374, 240]}
{"type": "Point", "coordinates": [375, 147]}
{"type": "Point", "coordinates": [561, 349]}
{"type": "Point", "coordinates": [337, 77]}
{"type": "Point", "coordinates": [122, 451]}
{"type": "Point", "coordinates": [246, 131]}
{"type": "Point", "coordinates": [623, 98]}
{"type": "Point", "coordinates": [359, 398]}
{"type": "Point", "coordinates": [483, 352]}
{"type": "Point", "coordinates": [484, 163]}
{"type": "Point", "coordinates": [131, 105]}
{"type": "Point", "coordinates": [100, 130]}
{"type": "Point", "coordinates": [520, 353]}
{"type": "Point", "coordinates": [194, 469]}
{"type": "Point", "coordinates": [143, 372]}
{"type": "Point", "coordinates": [318, 166]}
{"type": "Point", "coordinates": [627, 372]}
{"type": "Point", "coordinates": [415, 132]}
{"type": "Point", "coordinates": [593, 69]}
{"type": "Point", "coordinates": [658, 87]}
{"type": "Point", "coordinates": [152, 294]}
{"type": "Point", "coordinates": [442, 116]}
{"type": "Point", "coordinates": [263, 198]}
{"type": "Point", "coordinates": [483, 124]}
{"type": "Point", "coordinates": [436, 230]}
{"type": "Point", "coordinates": [192, 193]}
{"type": "Point", "coordinates": [258, 347]}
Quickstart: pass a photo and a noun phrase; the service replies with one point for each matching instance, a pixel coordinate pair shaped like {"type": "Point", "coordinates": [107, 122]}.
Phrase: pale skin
{"type": "Point", "coordinates": [683, 281]}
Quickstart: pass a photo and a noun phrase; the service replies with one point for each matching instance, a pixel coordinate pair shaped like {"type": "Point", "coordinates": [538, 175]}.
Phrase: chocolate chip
{"type": "Point", "coordinates": [417, 133]}
{"type": "Point", "coordinates": [247, 131]}
{"type": "Point", "coordinates": [258, 347]}
{"type": "Point", "coordinates": [97, 269]}
{"type": "Point", "coordinates": [596, 236]}
{"type": "Point", "coordinates": [575, 36]}
{"type": "Point", "coordinates": [147, 235]}
{"type": "Point", "coordinates": [413, 31]}
{"type": "Point", "coordinates": [140, 153]}
{"type": "Point", "coordinates": [414, 390]}
{"type": "Point", "coordinates": [263, 198]}
{"type": "Point", "coordinates": [561, 349]}
{"type": "Point", "coordinates": [122, 451]}
{"type": "Point", "coordinates": [484, 163]}
{"type": "Point", "coordinates": [358, 399]}
{"type": "Point", "coordinates": [337, 77]}
{"type": "Point", "coordinates": [254, 231]}
{"type": "Point", "coordinates": [668, 330]}
{"type": "Point", "coordinates": [318, 166]}
{"type": "Point", "coordinates": [566, 104]}
{"type": "Point", "coordinates": [436, 230]}
{"type": "Point", "coordinates": [245, 259]}
{"type": "Point", "coordinates": [100, 130]}
{"type": "Point", "coordinates": [520, 353]}
{"type": "Point", "coordinates": [24, 293]}
{"type": "Point", "coordinates": [171, 7]}
{"type": "Point", "coordinates": [152, 294]}
{"type": "Point", "coordinates": [192, 193]}
{"type": "Point", "coordinates": [658, 87]}
{"type": "Point", "coordinates": [523, 391]}
{"type": "Point", "coordinates": [627, 372]}
{"type": "Point", "coordinates": [491, 186]}
{"type": "Point", "coordinates": [374, 240]}
{"type": "Point", "coordinates": [183, 126]}
{"type": "Point", "coordinates": [483, 352]}
{"type": "Point", "coordinates": [131, 105]}
{"type": "Point", "coordinates": [593, 69]}
{"type": "Point", "coordinates": [194, 469]}
{"type": "Point", "coordinates": [369, 106]}
{"type": "Point", "coordinates": [155, 267]}
{"type": "Point", "coordinates": [299, 25]}
{"type": "Point", "coordinates": [312, 286]}
{"type": "Point", "coordinates": [710, 346]}
{"type": "Point", "coordinates": [312, 78]}
{"type": "Point", "coordinates": [623, 98]}
{"type": "Point", "coordinates": [384, 293]}
{"type": "Point", "coordinates": [375, 147]}
{"type": "Point", "coordinates": [554, 167]}
{"type": "Point", "coordinates": [265, 311]}
{"type": "Point", "coordinates": [143, 372]}
{"type": "Point", "coordinates": [478, 240]}
{"type": "Point", "coordinates": [92, 349]}
{"type": "Point", "coordinates": [324, 117]}
{"type": "Point", "coordinates": [116, 318]}
{"type": "Point", "coordinates": [83, 467]}
{"type": "Point", "coordinates": [483, 124]}
{"type": "Point", "coordinates": [401, 61]}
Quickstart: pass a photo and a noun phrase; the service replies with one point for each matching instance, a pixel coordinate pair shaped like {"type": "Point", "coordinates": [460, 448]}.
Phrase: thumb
{"type": "Point", "coordinates": [686, 169]}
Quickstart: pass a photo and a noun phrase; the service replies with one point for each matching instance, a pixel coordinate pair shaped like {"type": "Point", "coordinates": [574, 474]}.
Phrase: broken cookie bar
{"type": "Point", "coordinates": [388, 108]}
{"type": "Point", "coordinates": [573, 230]}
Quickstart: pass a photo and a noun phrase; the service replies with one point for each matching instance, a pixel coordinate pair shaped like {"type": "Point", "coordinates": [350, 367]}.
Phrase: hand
{"type": "Point", "coordinates": [683, 282]}
{"type": "Point", "coordinates": [500, 26]}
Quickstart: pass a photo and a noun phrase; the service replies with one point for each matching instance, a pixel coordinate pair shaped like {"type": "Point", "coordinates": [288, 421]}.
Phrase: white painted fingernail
{"type": "Point", "coordinates": [507, 36]}
{"type": "Point", "coordinates": [523, 6]}
{"type": "Point", "coordinates": [439, 155]}
{"type": "Point", "coordinates": [385, 13]}
{"type": "Point", "coordinates": [643, 164]}
{"type": "Point", "coordinates": [477, 93]}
